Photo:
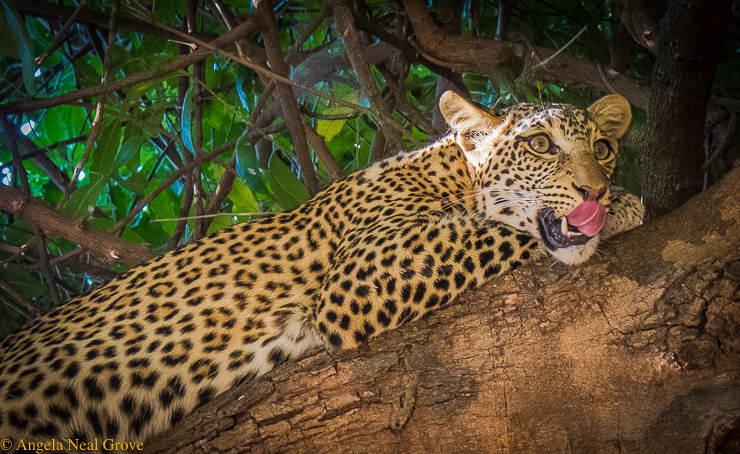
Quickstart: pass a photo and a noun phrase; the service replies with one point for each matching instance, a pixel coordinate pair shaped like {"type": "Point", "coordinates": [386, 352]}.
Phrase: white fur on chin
{"type": "Point", "coordinates": [574, 255]}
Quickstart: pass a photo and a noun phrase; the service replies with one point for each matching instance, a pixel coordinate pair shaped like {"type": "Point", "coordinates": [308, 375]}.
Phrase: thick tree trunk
{"type": "Point", "coordinates": [691, 38]}
{"type": "Point", "coordinates": [638, 351]}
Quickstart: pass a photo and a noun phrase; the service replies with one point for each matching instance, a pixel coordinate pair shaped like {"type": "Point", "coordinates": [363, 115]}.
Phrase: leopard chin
{"type": "Point", "coordinates": [574, 255]}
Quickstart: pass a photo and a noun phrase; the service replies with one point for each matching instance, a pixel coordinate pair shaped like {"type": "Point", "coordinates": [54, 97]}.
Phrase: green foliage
{"type": "Point", "coordinates": [247, 166]}
{"type": "Point", "coordinates": [288, 190]}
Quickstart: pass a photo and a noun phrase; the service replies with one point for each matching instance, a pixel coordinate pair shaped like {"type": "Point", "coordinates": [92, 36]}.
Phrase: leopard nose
{"type": "Point", "coordinates": [589, 193]}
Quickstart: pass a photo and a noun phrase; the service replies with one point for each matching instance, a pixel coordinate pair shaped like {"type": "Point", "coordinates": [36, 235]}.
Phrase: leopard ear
{"type": "Point", "coordinates": [611, 114]}
{"type": "Point", "coordinates": [465, 117]}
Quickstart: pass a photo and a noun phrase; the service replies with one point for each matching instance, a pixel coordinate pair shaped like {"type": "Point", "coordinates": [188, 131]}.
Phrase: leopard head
{"type": "Point", "coordinates": [543, 168]}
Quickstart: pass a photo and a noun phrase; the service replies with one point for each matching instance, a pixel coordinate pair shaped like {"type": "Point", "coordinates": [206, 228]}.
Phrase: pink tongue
{"type": "Point", "coordinates": [589, 217]}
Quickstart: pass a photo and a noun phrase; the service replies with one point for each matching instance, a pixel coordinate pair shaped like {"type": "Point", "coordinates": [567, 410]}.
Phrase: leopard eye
{"type": "Point", "coordinates": [541, 144]}
{"type": "Point", "coordinates": [602, 150]}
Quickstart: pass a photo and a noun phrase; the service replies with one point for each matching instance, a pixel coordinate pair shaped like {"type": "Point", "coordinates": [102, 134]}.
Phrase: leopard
{"type": "Point", "coordinates": [371, 252]}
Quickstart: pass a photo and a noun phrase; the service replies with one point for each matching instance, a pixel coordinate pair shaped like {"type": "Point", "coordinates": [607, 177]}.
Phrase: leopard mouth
{"type": "Point", "coordinates": [557, 232]}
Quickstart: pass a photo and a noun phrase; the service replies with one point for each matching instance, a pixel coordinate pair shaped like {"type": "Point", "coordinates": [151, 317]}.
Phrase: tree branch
{"type": "Point", "coordinates": [485, 56]}
{"type": "Point", "coordinates": [293, 117]}
{"type": "Point", "coordinates": [77, 230]}
{"type": "Point", "coordinates": [345, 22]}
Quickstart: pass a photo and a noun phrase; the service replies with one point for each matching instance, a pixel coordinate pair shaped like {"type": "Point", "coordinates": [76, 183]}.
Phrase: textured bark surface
{"type": "Point", "coordinates": [637, 351]}
{"type": "Point", "coordinates": [691, 37]}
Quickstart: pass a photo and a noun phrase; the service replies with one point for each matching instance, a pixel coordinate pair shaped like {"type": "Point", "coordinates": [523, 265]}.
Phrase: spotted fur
{"type": "Point", "coordinates": [371, 252]}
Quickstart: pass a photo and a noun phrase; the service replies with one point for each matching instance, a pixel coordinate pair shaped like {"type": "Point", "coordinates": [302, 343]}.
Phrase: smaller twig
{"type": "Point", "coordinates": [225, 184]}
{"type": "Point", "coordinates": [112, 30]}
{"type": "Point", "coordinates": [72, 254]}
{"type": "Point", "coordinates": [228, 20]}
{"type": "Point", "coordinates": [60, 35]}
{"type": "Point", "coordinates": [295, 49]}
{"type": "Point", "coordinates": [26, 307]}
{"type": "Point", "coordinates": [208, 216]}
{"type": "Point", "coordinates": [547, 60]}
{"type": "Point", "coordinates": [170, 181]}
{"type": "Point", "coordinates": [87, 268]}
{"type": "Point", "coordinates": [347, 29]}
{"type": "Point", "coordinates": [85, 155]}
{"type": "Point", "coordinates": [40, 237]}
{"type": "Point", "coordinates": [318, 144]}
{"type": "Point", "coordinates": [46, 149]}
{"type": "Point", "coordinates": [31, 104]}
{"type": "Point", "coordinates": [394, 84]}
{"type": "Point", "coordinates": [46, 269]}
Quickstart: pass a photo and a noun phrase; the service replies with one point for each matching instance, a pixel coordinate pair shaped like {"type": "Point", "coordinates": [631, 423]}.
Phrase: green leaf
{"type": "Point", "coordinates": [162, 208]}
{"type": "Point", "coordinates": [243, 199]}
{"type": "Point", "coordinates": [187, 111]}
{"type": "Point", "coordinates": [219, 223]}
{"type": "Point", "coordinates": [85, 198]}
{"type": "Point", "coordinates": [23, 282]}
{"type": "Point", "coordinates": [107, 143]}
{"type": "Point", "coordinates": [24, 43]}
{"type": "Point", "coordinates": [20, 232]}
{"type": "Point", "coordinates": [128, 150]}
{"type": "Point", "coordinates": [244, 80]}
{"type": "Point", "coordinates": [165, 11]}
{"type": "Point", "coordinates": [117, 57]}
{"type": "Point", "coordinates": [330, 128]}
{"type": "Point", "coordinates": [133, 97]}
{"type": "Point", "coordinates": [287, 188]}
{"type": "Point", "coordinates": [87, 72]}
{"type": "Point", "coordinates": [136, 183]}
{"type": "Point", "coordinates": [5, 155]}
{"type": "Point", "coordinates": [152, 45]}
{"type": "Point", "coordinates": [247, 166]}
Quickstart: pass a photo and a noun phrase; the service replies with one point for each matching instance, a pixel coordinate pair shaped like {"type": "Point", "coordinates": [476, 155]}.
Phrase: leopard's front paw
{"type": "Point", "coordinates": [625, 212]}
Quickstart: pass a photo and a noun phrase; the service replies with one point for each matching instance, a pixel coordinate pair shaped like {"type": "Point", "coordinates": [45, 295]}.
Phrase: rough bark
{"type": "Point", "coordinates": [637, 351]}
{"type": "Point", "coordinates": [682, 79]}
